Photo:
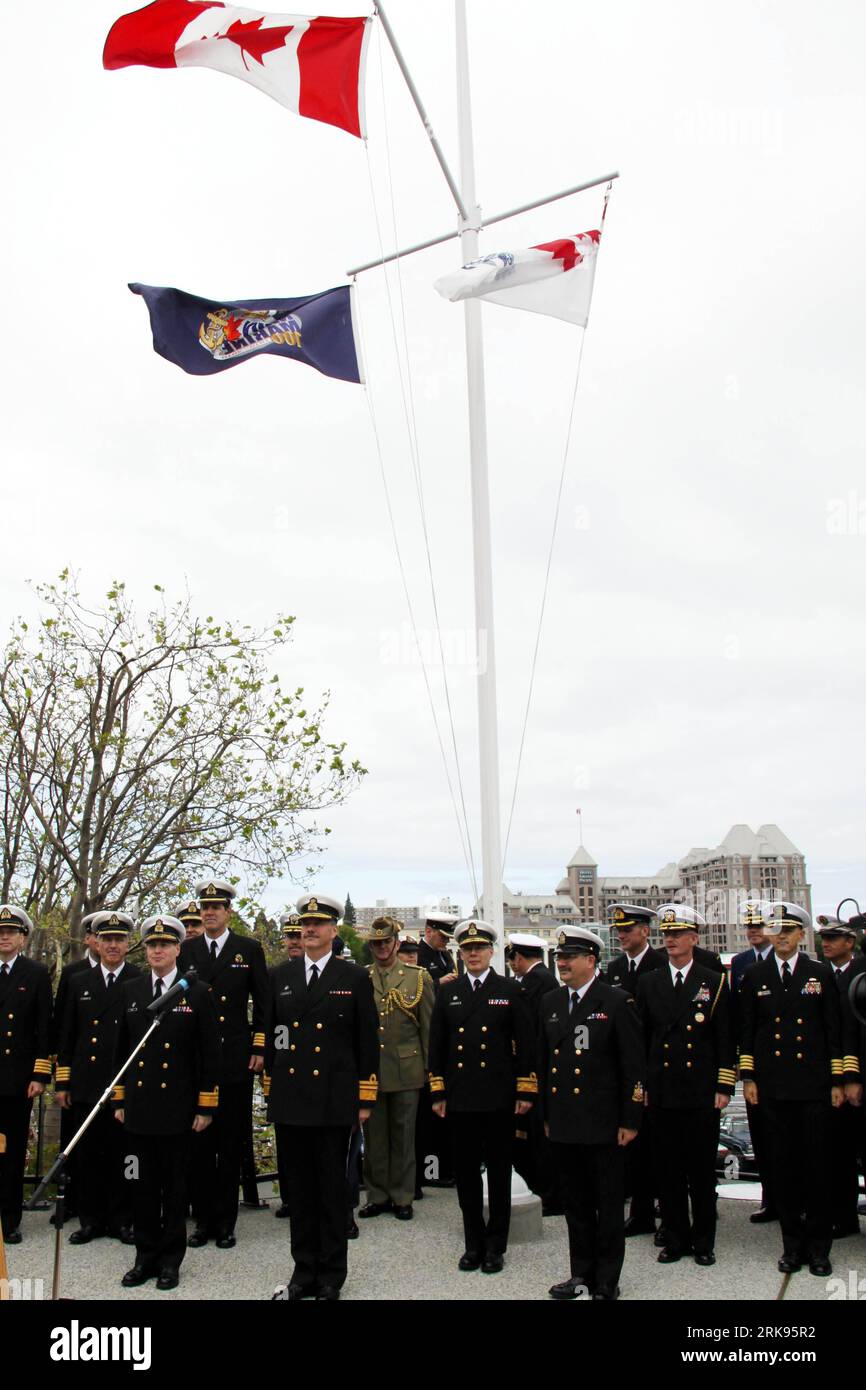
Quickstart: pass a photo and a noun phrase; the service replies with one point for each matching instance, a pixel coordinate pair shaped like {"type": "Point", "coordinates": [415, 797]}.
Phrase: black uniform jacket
{"type": "Point", "coordinates": [175, 1076]}
{"type": "Point", "coordinates": [690, 1040]}
{"type": "Point", "coordinates": [534, 985]}
{"type": "Point", "coordinates": [482, 1050]}
{"type": "Point", "coordinates": [618, 970]}
{"type": "Point", "coordinates": [67, 975]}
{"type": "Point", "coordinates": [436, 963]}
{"type": "Point", "coordinates": [88, 1033]}
{"type": "Point", "coordinates": [791, 1040]}
{"type": "Point", "coordinates": [853, 1032]}
{"type": "Point", "coordinates": [592, 1065]}
{"type": "Point", "coordinates": [322, 1044]}
{"type": "Point", "coordinates": [239, 974]}
{"type": "Point", "coordinates": [25, 1027]}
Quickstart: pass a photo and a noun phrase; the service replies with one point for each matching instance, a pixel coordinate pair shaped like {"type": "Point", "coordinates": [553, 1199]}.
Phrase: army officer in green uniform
{"type": "Point", "coordinates": [404, 996]}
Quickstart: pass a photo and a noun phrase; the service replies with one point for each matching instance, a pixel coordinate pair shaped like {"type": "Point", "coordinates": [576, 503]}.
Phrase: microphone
{"type": "Point", "coordinates": [180, 986]}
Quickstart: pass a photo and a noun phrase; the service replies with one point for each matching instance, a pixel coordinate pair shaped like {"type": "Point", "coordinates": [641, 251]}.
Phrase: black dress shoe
{"type": "Point", "coordinates": [292, 1293]}
{"type": "Point", "coordinates": [282, 1211]}
{"type": "Point", "coordinates": [470, 1259]}
{"type": "Point", "coordinates": [403, 1213]}
{"type": "Point", "coordinates": [493, 1264]}
{"type": "Point", "coordinates": [374, 1209]}
{"type": "Point", "coordinates": [790, 1264]}
{"type": "Point", "coordinates": [168, 1279]}
{"type": "Point", "coordinates": [669, 1257]}
{"type": "Point", "coordinates": [13, 1238]}
{"type": "Point", "coordinates": [198, 1237]}
{"type": "Point", "coordinates": [606, 1295]}
{"type": "Point", "coordinates": [85, 1235]}
{"type": "Point", "coordinates": [569, 1288]}
{"type": "Point", "coordinates": [226, 1241]}
{"type": "Point", "coordinates": [135, 1276]}
{"type": "Point", "coordinates": [327, 1294]}
{"type": "Point", "coordinates": [705, 1258]}
{"type": "Point", "coordinates": [635, 1227]}
{"type": "Point", "coordinates": [352, 1231]}
{"type": "Point", "coordinates": [762, 1215]}
{"type": "Point", "coordinates": [659, 1237]}
{"type": "Point", "coordinates": [822, 1268]}
{"type": "Point", "coordinates": [125, 1235]}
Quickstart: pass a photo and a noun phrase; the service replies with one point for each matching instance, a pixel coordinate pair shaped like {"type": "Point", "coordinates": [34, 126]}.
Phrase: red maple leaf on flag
{"type": "Point", "coordinates": [232, 328]}
{"type": "Point", "coordinates": [251, 38]}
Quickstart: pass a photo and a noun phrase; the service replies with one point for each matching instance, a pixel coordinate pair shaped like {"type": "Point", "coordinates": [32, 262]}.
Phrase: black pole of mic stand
{"type": "Point", "coordinates": [56, 1171]}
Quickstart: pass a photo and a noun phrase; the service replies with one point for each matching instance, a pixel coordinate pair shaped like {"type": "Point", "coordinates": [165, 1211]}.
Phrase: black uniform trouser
{"type": "Point", "coordinates": [798, 1134]}
{"type": "Point", "coordinates": [159, 1198]}
{"type": "Point", "coordinates": [314, 1159]}
{"type": "Point", "coordinates": [104, 1196]}
{"type": "Point", "coordinates": [433, 1144]}
{"type": "Point", "coordinates": [484, 1136]}
{"type": "Point", "coordinates": [640, 1177]}
{"type": "Point", "coordinates": [533, 1159]}
{"type": "Point", "coordinates": [216, 1159]}
{"type": "Point", "coordinates": [756, 1116]}
{"type": "Point", "coordinates": [15, 1124]}
{"type": "Point", "coordinates": [686, 1141]}
{"type": "Point", "coordinates": [591, 1183]}
{"type": "Point", "coordinates": [844, 1136]}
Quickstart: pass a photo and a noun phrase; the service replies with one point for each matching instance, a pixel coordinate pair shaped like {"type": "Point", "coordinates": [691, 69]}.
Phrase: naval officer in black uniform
{"type": "Point", "coordinates": [685, 1009]}
{"type": "Point", "coordinates": [633, 925]}
{"type": "Point", "coordinates": [838, 944]}
{"type": "Point", "coordinates": [592, 1065]}
{"type": "Point", "coordinates": [321, 1060]}
{"type": "Point", "coordinates": [532, 1158]}
{"type": "Point", "coordinates": [482, 1070]}
{"type": "Point", "coordinates": [25, 1065]}
{"type": "Point", "coordinates": [791, 1065]}
{"type": "Point", "coordinates": [85, 1066]}
{"type": "Point", "coordinates": [233, 968]}
{"type": "Point", "coordinates": [166, 1095]}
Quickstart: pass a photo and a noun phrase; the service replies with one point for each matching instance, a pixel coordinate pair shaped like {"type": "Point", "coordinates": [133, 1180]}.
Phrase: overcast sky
{"type": "Point", "coordinates": [702, 661]}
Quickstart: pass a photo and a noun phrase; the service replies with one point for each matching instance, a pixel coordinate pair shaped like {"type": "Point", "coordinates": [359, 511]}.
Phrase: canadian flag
{"type": "Point", "coordinates": [312, 64]}
{"type": "Point", "coordinates": [555, 277]}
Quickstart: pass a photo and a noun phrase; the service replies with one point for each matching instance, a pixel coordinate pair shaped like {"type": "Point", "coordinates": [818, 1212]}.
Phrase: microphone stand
{"type": "Point", "coordinates": [56, 1170]}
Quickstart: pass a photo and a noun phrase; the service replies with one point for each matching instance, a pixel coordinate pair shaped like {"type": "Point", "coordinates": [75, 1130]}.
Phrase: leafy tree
{"type": "Point", "coordinates": [349, 915]}
{"type": "Point", "coordinates": [138, 752]}
{"type": "Point", "coordinates": [356, 945]}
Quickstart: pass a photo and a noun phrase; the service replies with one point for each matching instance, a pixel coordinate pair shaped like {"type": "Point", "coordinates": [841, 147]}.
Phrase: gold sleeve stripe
{"type": "Point", "coordinates": [437, 1083]}
{"type": "Point", "coordinates": [258, 1039]}
{"type": "Point", "coordinates": [64, 1073]}
{"type": "Point", "coordinates": [119, 1093]}
{"type": "Point", "coordinates": [368, 1090]}
{"type": "Point", "coordinates": [836, 1066]}
{"type": "Point", "coordinates": [42, 1065]}
{"type": "Point", "coordinates": [852, 1063]}
{"type": "Point", "coordinates": [527, 1085]}
{"type": "Point", "coordinates": [747, 1062]}
{"type": "Point", "coordinates": [208, 1100]}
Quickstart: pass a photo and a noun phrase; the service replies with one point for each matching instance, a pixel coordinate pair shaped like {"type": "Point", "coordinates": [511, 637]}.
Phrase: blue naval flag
{"type": "Point", "coordinates": [204, 336]}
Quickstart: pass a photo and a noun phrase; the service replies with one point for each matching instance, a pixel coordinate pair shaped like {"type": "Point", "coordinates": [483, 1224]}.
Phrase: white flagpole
{"type": "Point", "coordinates": [488, 737]}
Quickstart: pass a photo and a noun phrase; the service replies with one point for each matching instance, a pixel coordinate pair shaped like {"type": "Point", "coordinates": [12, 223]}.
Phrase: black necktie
{"type": "Point", "coordinates": [632, 969]}
{"type": "Point", "coordinates": [314, 974]}
{"type": "Point", "coordinates": [476, 984]}
{"type": "Point", "coordinates": [786, 974]}
{"type": "Point", "coordinates": [575, 1000]}
{"type": "Point", "coordinates": [213, 950]}
{"type": "Point", "coordinates": [157, 990]}
{"type": "Point", "coordinates": [839, 980]}
{"type": "Point", "coordinates": [4, 969]}
{"type": "Point", "coordinates": [678, 983]}
{"type": "Point", "coordinates": [110, 979]}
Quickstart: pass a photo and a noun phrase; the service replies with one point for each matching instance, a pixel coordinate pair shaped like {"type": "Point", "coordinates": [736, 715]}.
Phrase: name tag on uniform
{"type": "Point", "coordinates": [763, 990]}
{"type": "Point", "coordinates": [85, 994]}
{"type": "Point", "coordinates": [286, 989]}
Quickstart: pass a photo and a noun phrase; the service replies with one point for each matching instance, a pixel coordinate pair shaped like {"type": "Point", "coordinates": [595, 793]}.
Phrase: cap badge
{"type": "Point", "coordinates": [670, 915]}
{"type": "Point", "coordinates": [618, 914]}
{"type": "Point", "coordinates": [5, 915]}
{"type": "Point", "coordinates": [562, 938]}
{"type": "Point", "coordinates": [313, 905]}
